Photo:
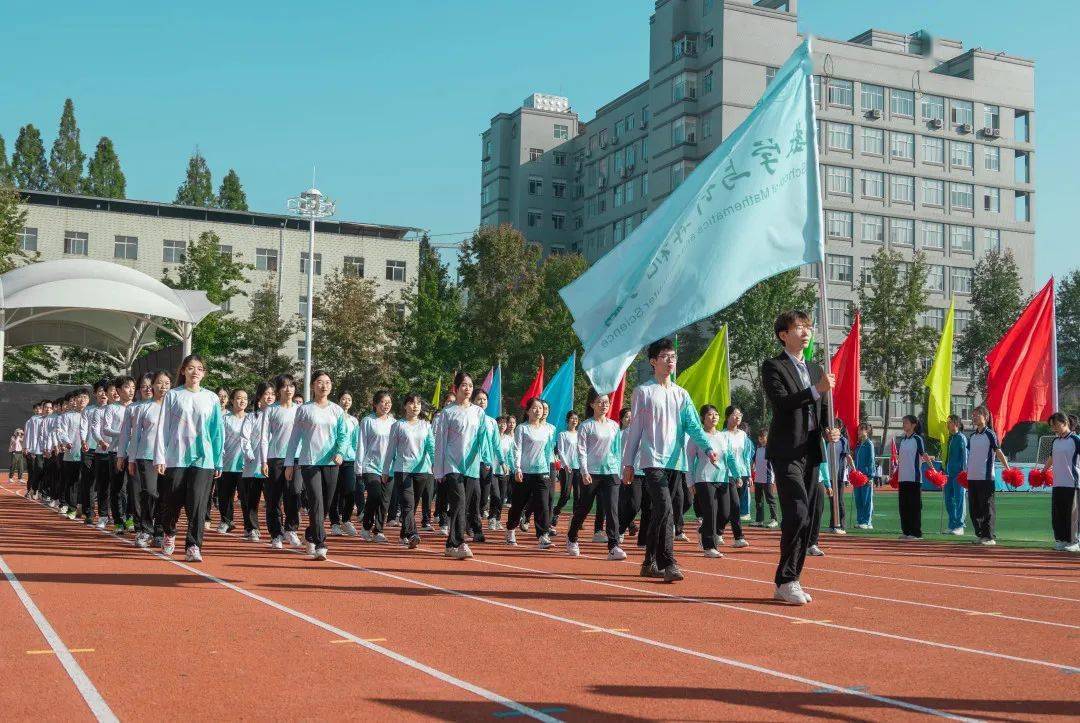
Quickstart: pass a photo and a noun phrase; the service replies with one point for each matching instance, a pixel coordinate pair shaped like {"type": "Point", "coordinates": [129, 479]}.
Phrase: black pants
{"type": "Point", "coordinates": [533, 490]}
{"type": "Point", "coordinates": [983, 510]}
{"type": "Point", "coordinates": [764, 495]}
{"type": "Point", "coordinates": [341, 507]}
{"type": "Point", "coordinates": [679, 503]}
{"type": "Point", "coordinates": [730, 511]}
{"type": "Point", "coordinates": [87, 489]}
{"type": "Point", "coordinates": [378, 501]}
{"type": "Point", "coordinates": [838, 491]}
{"type": "Point", "coordinates": [393, 511]}
{"type": "Point", "coordinates": [414, 486]}
{"type": "Point", "coordinates": [660, 542]}
{"type": "Point", "coordinates": [150, 507]}
{"type": "Point", "coordinates": [72, 468]}
{"type": "Point", "coordinates": [707, 497]}
{"type": "Point", "coordinates": [250, 491]}
{"type": "Point", "coordinates": [819, 510]}
{"type": "Point", "coordinates": [186, 488]}
{"type": "Point", "coordinates": [797, 487]}
{"type": "Point", "coordinates": [605, 490]}
{"type": "Point", "coordinates": [33, 472]}
{"type": "Point", "coordinates": [117, 491]}
{"type": "Point", "coordinates": [487, 479]}
{"type": "Point", "coordinates": [102, 481]}
{"type": "Point", "coordinates": [277, 489]}
{"type": "Point", "coordinates": [440, 504]}
{"type": "Point", "coordinates": [629, 502]}
{"type": "Point", "coordinates": [910, 502]}
{"type": "Point", "coordinates": [453, 489]}
{"type": "Point", "coordinates": [569, 482]}
{"type": "Point", "coordinates": [1063, 513]}
{"type": "Point", "coordinates": [227, 485]}
{"type": "Point", "coordinates": [474, 520]}
{"type": "Point", "coordinates": [319, 483]}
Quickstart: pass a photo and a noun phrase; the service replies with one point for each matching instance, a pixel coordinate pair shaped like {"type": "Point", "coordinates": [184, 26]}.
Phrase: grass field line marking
{"type": "Point", "coordinates": [879, 598]}
{"type": "Point", "coordinates": [415, 664]}
{"type": "Point", "coordinates": [86, 688]}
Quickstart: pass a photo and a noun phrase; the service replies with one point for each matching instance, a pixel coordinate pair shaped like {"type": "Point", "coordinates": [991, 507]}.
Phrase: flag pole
{"type": "Point", "coordinates": [1054, 402]}
{"type": "Point", "coordinates": [727, 358]}
{"type": "Point", "coordinates": [830, 450]}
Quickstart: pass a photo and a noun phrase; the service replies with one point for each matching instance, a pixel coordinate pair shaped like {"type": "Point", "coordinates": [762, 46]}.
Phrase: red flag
{"type": "Point", "coordinates": [537, 387]}
{"type": "Point", "coordinates": [486, 386]}
{"type": "Point", "coordinates": [846, 365]}
{"type": "Point", "coordinates": [616, 400]}
{"type": "Point", "coordinates": [1019, 382]}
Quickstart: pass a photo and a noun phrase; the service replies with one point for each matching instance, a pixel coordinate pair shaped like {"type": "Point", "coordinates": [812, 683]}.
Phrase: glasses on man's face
{"type": "Point", "coordinates": [667, 357]}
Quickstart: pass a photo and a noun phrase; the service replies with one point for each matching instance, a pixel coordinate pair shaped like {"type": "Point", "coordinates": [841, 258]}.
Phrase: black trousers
{"type": "Point", "coordinates": [414, 486]}
{"type": "Point", "coordinates": [276, 490]}
{"type": "Point", "coordinates": [730, 511]}
{"type": "Point", "coordinates": [983, 510]}
{"type": "Point", "coordinates": [71, 468]}
{"type": "Point", "coordinates": [227, 485]}
{"type": "Point", "coordinates": [117, 490]}
{"type": "Point", "coordinates": [440, 504]}
{"type": "Point", "coordinates": [474, 520]}
{"type": "Point", "coordinates": [660, 543]}
{"type": "Point", "coordinates": [87, 488]}
{"type": "Point", "coordinates": [250, 491]}
{"type": "Point", "coordinates": [487, 480]}
{"type": "Point", "coordinates": [319, 483]}
{"type": "Point", "coordinates": [707, 497]}
{"type": "Point", "coordinates": [797, 487]}
{"type": "Point", "coordinates": [103, 482]}
{"type": "Point", "coordinates": [150, 507]}
{"type": "Point", "coordinates": [1063, 513]}
{"type": "Point", "coordinates": [341, 507]}
{"type": "Point", "coordinates": [605, 490]}
{"type": "Point", "coordinates": [819, 510]}
{"type": "Point", "coordinates": [453, 489]}
{"type": "Point", "coordinates": [378, 501]}
{"type": "Point", "coordinates": [186, 488]}
{"type": "Point", "coordinates": [499, 490]}
{"type": "Point", "coordinates": [569, 482]}
{"type": "Point", "coordinates": [393, 512]}
{"type": "Point", "coordinates": [679, 504]}
{"type": "Point", "coordinates": [764, 495]}
{"type": "Point", "coordinates": [534, 490]}
{"type": "Point", "coordinates": [629, 502]}
{"type": "Point", "coordinates": [33, 472]}
{"type": "Point", "coordinates": [838, 491]}
{"type": "Point", "coordinates": [910, 502]}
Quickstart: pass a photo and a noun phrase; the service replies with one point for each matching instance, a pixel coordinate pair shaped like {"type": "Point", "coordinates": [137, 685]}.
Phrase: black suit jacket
{"type": "Point", "coordinates": [792, 406]}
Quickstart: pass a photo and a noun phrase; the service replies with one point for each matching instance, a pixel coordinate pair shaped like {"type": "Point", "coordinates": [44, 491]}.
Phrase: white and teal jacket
{"type": "Point", "coordinates": [279, 428]}
{"type": "Point", "coordinates": [662, 417]}
{"type": "Point", "coordinates": [125, 447]}
{"type": "Point", "coordinates": [144, 430]}
{"type": "Point", "coordinates": [233, 448]}
{"type": "Point", "coordinates": [253, 443]}
{"type": "Point", "coordinates": [701, 469]}
{"type": "Point", "coordinates": [373, 445]}
{"type": "Point", "coordinates": [491, 453]}
{"type": "Point", "coordinates": [460, 435]}
{"type": "Point", "coordinates": [352, 436]}
{"type": "Point", "coordinates": [534, 448]}
{"type": "Point", "coordinates": [566, 449]}
{"type": "Point", "coordinates": [72, 431]}
{"type": "Point", "coordinates": [598, 447]}
{"type": "Point", "coordinates": [318, 435]}
{"type": "Point", "coordinates": [412, 446]}
{"type": "Point", "coordinates": [736, 445]}
{"type": "Point", "coordinates": [189, 430]}
{"type": "Point", "coordinates": [507, 450]}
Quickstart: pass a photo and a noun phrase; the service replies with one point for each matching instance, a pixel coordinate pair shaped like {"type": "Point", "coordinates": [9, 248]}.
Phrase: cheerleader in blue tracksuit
{"type": "Point", "coordinates": [956, 461]}
{"type": "Point", "coordinates": [1064, 461]}
{"type": "Point", "coordinates": [865, 462]}
{"type": "Point", "coordinates": [983, 449]}
{"type": "Point", "coordinates": [912, 455]}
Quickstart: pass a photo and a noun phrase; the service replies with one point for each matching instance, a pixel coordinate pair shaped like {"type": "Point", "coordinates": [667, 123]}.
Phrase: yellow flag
{"type": "Point", "coordinates": [939, 382]}
{"type": "Point", "coordinates": [708, 380]}
{"type": "Point", "coordinates": [438, 393]}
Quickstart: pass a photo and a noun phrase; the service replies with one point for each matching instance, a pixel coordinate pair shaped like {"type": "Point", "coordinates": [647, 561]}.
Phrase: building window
{"type": "Point", "coordinates": [874, 405]}
{"type": "Point", "coordinates": [645, 185]}
{"type": "Point", "coordinates": [684, 86]}
{"type": "Point", "coordinates": [902, 103]}
{"type": "Point", "coordinates": [992, 239]}
{"type": "Point", "coordinates": [992, 117]}
{"type": "Point", "coordinates": [933, 318]}
{"type": "Point", "coordinates": [933, 108]}
{"type": "Point", "coordinates": [558, 221]}
{"type": "Point", "coordinates": [707, 82]}
{"type": "Point", "coordinates": [770, 74]}
{"type": "Point", "coordinates": [840, 268]}
{"type": "Point", "coordinates": [618, 230]}
{"type": "Point", "coordinates": [840, 136]}
{"type": "Point", "coordinates": [558, 188]}
{"type": "Point", "coordinates": [395, 270]}
{"type": "Point", "coordinates": [962, 112]}
{"type": "Point", "coordinates": [1022, 209]}
{"type": "Point", "coordinates": [992, 200]}
{"type": "Point", "coordinates": [683, 130]}
{"type": "Point", "coordinates": [809, 272]}
{"type": "Point", "coordinates": [28, 239]}
{"type": "Point", "coordinates": [487, 193]}
{"type": "Point", "coordinates": [266, 260]}
{"type": "Point", "coordinates": [225, 251]}
{"type": "Point", "coordinates": [873, 141]}
{"type": "Point", "coordinates": [536, 186]}
{"type": "Point", "coordinates": [838, 180]}
{"type": "Point", "coordinates": [840, 313]}
{"type": "Point", "coordinates": [679, 172]}
{"type": "Point", "coordinates": [962, 239]}
{"type": "Point", "coordinates": [962, 318]}
{"type": "Point", "coordinates": [173, 252]}
{"type": "Point", "coordinates": [933, 192]}
{"type": "Point", "coordinates": [873, 184]}
{"type": "Point", "coordinates": [838, 224]}
{"type": "Point", "coordinates": [126, 247]}
{"type": "Point", "coordinates": [1022, 126]}
{"type": "Point", "coordinates": [76, 243]}
{"type": "Point", "coordinates": [873, 229]}
{"type": "Point", "coordinates": [962, 196]}
{"type": "Point", "coordinates": [933, 150]}
{"type": "Point", "coordinates": [683, 47]}
{"type": "Point", "coordinates": [710, 40]}
{"type": "Point", "coordinates": [706, 126]}
{"type": "Point", "coordinates": [933, 235]}
{"type": "Point", "coordinates": [645, 148]}
{"type": "Point", "coordinates": [902, 146]}
{"type": "Point", "coordinates": [301, 349]}
{"type": "Point", "coordinates": [961, 154]}
{"type": "Point", "coordinates": [628, 189]}
{"type": "Point", "coordinates": [558, 158]}
{"type": "Point", "coordinates": [991, 158]}
{"type": "Point", "coordinates": [840, 93]}
{"type": "Point", "coordinates": [902, 189]}
{"type": "Point", "coordinates": [536, 218]}
{"type": "Point", "coordinates": [867, 270]}
{"type": "Point", "coordinates": [962, 406]}
{"type": "Point", "coordinates": [353, 266]}
{"type": "Point", "coordinates": [935, 278]}
{"type": "Point", "coordinates": [304, 260]}
{"type": "Point", "coordinates": [301, 308]}
{"type": "Point", "coordinates": [961, 280]}
{"type": "Point", "coordinates": [535, 154]}
{"type": "Point", "coordinates": [579, 222]}
{"type": "Point", "coordinates": [618, 196]}
{"type": "Point", "coordinates": [562, 132]}
{"type": "Point", "coordinates": [873, 97]}
{"type": "Point", "coordinates": [901, 232]}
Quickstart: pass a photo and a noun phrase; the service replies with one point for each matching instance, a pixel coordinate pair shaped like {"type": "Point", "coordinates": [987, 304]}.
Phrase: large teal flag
{"type": "Point", "coordinates": [559, 393]}
{"type": "Point", "coordinates": [751, 210]}
{"type": "Point", "coordinates": [494, 407]}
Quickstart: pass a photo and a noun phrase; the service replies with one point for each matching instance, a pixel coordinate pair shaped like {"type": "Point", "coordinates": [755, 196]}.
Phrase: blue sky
{"type": "Point", "coordinates": [388, 99]}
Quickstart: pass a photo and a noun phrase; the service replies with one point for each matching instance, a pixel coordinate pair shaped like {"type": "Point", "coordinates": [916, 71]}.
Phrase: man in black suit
{"type": "Point", "coordinates": [797, 393]}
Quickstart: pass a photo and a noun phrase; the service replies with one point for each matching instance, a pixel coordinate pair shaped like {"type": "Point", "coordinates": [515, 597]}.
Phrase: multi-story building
{"type": "Point", "coordinates": [925, 146]}
{"type": "Point", "coordinates": [153, 237]}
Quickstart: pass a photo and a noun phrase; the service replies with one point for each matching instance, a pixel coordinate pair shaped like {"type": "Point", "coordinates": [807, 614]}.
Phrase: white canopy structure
{"type": "Point", "coordinates": [95, 305]}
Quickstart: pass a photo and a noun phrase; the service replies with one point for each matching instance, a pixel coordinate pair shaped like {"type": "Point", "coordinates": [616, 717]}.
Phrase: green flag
{"type": "Point", "coordinates": [435, 401]}
{"type": "Point", "coordinates": [808, 352]}
{"type": "Point", "coordinates": [708, 380]}
{"type": "Point", "coordinates": [939, 382]}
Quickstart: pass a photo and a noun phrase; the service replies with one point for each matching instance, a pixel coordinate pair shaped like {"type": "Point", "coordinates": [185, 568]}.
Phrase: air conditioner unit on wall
{"type": "Point", "coordinates": [991, 133]}
{"type": "Point", "coordinates": [643, 125]}
{"type": "Point", "coordinates": [934, 123]}
{"type": "Point", "coordinates": [601, 181]}
{"type": "Point", "coordinates": [873, 114]}
{"type": "Point", "coordinates": [964, 128]}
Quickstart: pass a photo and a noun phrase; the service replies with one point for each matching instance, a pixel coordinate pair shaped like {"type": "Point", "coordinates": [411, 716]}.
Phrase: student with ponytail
{"type": "Point", "coordinates": [534, 449]}
{"type": "Point", "coordinates": [341, 508]}
{"type": "Point", "coordinates": [911, 451]}
{"type": "Point", "coordinates": [711, 481]}
{"type": "Point", "coordinates": [233, 453]}
{"type": "Point", "coordinates": [983, 449]}
{"type": "Point", "coordinates": [412, 448]}
{"type": "Point", "coordinates": [459, 439]}
{"type": "Point", "coordinates": [599, 456]}
{"type": "Point", "coordinates": [956, 461]}
{"type": "Point", "coordinates": [253, 443]}
{"type": "Point", "coordinates": [373, 455]}
{"type": "Point", "coordinates": [279, 426]}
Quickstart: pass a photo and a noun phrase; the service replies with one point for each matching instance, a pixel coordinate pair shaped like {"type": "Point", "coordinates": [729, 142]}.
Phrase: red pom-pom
{"type": "Point", "coordinates": [936, 478]}
{"type": "Point", "coordinates": [961, 479]}
{"type": "Point", "coordinates": [1048, 477]}
{"type": "Point", "coordinates": [894, 479]}
{"type": "Point", "coordinates": [1035, 477]}
{"type": "Point", "coordinates": [1013, 477]}
{"type": "Point", "coordinates": [858, 479]}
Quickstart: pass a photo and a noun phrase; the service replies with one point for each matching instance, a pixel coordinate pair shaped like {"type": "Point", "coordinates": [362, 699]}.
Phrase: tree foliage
{"type": "Point", "coordinates": [231, 194]}
{"type": "Point", "coordinates": [997, 299]}
{"type": "Point", "coordinates": [28, 160]}
{"type": "Point", "coordinates": [261, 343]}
{"type": "Point", "coordinates": [12, 221]}
{"type": "Point", "coordinates": [1068, 329]}
{"type": "Point", "coordinates": [104, 177]}
{"type": "Point", "coordinates": [197, 188]}
{"type": "Point", "coordinates": [6, 176]}
{"type": "Point", "coordinates": [66, 159]}
{"type": "Point", "coordinates": [86, 366]}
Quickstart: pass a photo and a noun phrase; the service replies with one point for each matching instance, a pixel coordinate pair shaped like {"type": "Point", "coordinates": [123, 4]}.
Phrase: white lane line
{"type": "Point", "coordinates": [415, 664]}
{"type": "Point", "coordinates": [78, 676]}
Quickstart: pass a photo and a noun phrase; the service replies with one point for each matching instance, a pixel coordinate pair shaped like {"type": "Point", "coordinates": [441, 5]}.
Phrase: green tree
{"type": "Point", "coordinates": [262, 340]}
{"type": "Point", "coordinates": [28, 160]}
{"type": "Point", "coordinates": [894, 343]}
{"type": "Point", "coordinates": [104, 178]}
{"type": "Point", "coordinates": [1068, 329]}
{"type": "Point", "coordinates": [554, 336]}
{"type": "Point", "coordinates": [997, 299]}
{"type": "Point", "coordinates": [197, 188]}
{"type": "Point", "coordinates": [66, 159]}
{"type": "Point", "coordinates": [86, 366]}
{"type": "Point", "coordinates": [31, 363]}
{"type": "Point", "coordinates": [222, 277]}
{"type": "Point", "coordinates": [353, 336]}
{"type": "Point", "coordinates": [6, 176]}
{"type": "Point", "coordinates": [231, 194]}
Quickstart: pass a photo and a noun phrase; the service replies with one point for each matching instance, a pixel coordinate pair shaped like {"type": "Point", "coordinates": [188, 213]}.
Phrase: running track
{"type": "Point", "coordinates": [96, 628]}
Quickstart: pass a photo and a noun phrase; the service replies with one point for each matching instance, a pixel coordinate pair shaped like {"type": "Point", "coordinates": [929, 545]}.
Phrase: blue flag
{"type": "Point", "coordinates": [559, 393]}
{"type": "Point", "coordinates": [494, 406]}
{"type": "Point", "coordinates": [751, 210]}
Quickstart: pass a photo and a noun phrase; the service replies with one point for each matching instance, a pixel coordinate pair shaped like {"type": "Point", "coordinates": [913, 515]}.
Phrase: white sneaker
{"type": "Point", "coordinates": [458, 553]}
{"type": "Point", "coordinates": [815, 551]}
{"type": "Point", "coordinates": [713, 552]}
{"type": "Point", "coordinates": [719, 540]}
{"type": "Point", "coordinates": [741, 542]}
{"type": "Point", "coordinates": [616, 553]}
{"type": "Point", "coordinates": [744, 518]}
{"type": "Point", "coordinates": [222, 528]}
{"type": "Point", "coordinates": [142, 540]}
{"type": "Point", "coordinates": [772, 525]}
{"type": "Point", "coordinates": [450, 552]}
{"type": "Point", "coordinates": [681, 537]}
{"type": "Point", "coordinates": [988, 541]}
{"type": "Point", "coordinates": [169, 545]}
{"type": "Point", "coordinates": [380, 537]}
{"type": "Point", "coordinates": [1060, 546]}
{"type": "Point", "coordinates": [789, 593]}
{"type": "Point", "coordinates": [277, 543]}
{"type": "Point", "coordinates": [905, 538]}
{"type": "Point", "coordinates": [101, 523]}
{"type": "Point", "coordinates": [63, 509]}
{"type": "Point", "coordinates": [839, 531]}
{"type": "Point", "coordinates": [349, 529]}
{"type": "Point", "coordinates": [622, 538]}
{"type": "Point", "coordinates": [1074, 547]}
{"type": "Point", "coordinates": [208, 525]}
{"type": "Point", "coordinates": [958, 531]}
{"type": "Point", "coordinates": [366, 536]}
{"type": "Point", "coordinates": [465, 552]}
{"type": "Point", "coordinates": [292, 538]}
{"type": "Point", "coordinates": [545, 542]}
{"type": "Point", "coordinates": [193, 554]}
{"type": "Point", "coordinates": [572, 549]}
{"type": "Point", "coordinates": [492, 522]}
{"type": "Point", "coordinates": [54, 504]}
{"type": "Point", "coordinates": [393, 523]}
{"type": "Point", "coordinates": [804, 593]}
{"type": "Point", "coordinates": [335, 530]}
{"type": "Point", "coordinates": [444, 531]}
{"type": "Point", "coordinates": [511, 538]}
{"type": "Point", "coordinates": [599, 536]}
{"type": "Point", "coordinates": [311, 549]}
{"type": "Point", "coordinates": [320, 553]}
